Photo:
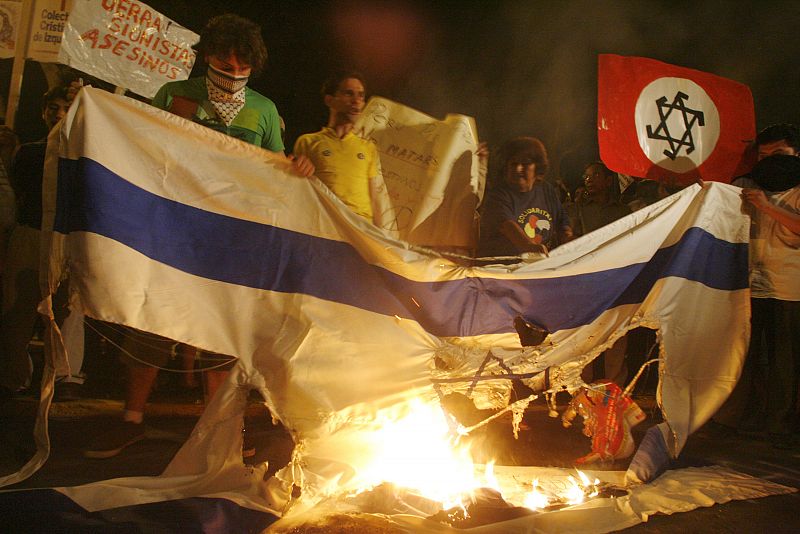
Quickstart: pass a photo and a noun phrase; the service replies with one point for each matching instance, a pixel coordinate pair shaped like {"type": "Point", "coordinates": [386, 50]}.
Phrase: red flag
{"type": "Point", "coordinates": [665, 122]}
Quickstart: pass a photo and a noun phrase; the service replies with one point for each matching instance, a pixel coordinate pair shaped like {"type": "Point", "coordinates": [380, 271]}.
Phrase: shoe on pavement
{"type": "Point", "coordinates": [114, 440]}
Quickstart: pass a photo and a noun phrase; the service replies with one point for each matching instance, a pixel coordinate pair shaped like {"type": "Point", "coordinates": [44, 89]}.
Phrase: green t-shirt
{"type": "Point", "coordinates": [257, 122]}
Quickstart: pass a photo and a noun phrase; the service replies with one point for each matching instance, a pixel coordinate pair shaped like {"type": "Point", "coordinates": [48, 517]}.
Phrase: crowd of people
{"type": "Point", "coordinates": [522, 213]}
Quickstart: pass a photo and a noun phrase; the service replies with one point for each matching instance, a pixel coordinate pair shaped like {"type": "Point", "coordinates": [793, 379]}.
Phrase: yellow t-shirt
{"type": "Point", "coordinates": [345, 165]}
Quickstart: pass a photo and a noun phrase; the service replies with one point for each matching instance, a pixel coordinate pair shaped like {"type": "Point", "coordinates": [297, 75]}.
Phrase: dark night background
{"type": "Point", "coordinates": [518, 67]}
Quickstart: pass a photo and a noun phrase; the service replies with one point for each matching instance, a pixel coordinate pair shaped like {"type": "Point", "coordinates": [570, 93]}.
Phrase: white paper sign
{"type": "Point", "coordinates": [9, 24]}
{"type": "Point", "coordinates": [430, 170]}
{"type": "Point", "coordinates": [48, 20]}
{"type": "Point", "coordinates": [127, 43]}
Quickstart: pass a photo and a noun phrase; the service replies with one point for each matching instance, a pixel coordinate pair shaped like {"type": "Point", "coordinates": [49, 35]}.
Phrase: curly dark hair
{"type": "Point", "coordinates": [231, 33]}
{"type": "Point", "coordinates": [528, 148]}
{"type": "Point", "coordinates": [780, 132]}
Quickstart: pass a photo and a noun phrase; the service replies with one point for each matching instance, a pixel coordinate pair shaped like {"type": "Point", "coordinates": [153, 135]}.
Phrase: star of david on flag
{"type": "Point", "coordinates": [661, 121]}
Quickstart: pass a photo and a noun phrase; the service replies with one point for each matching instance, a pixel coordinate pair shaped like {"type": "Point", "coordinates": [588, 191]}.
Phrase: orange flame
{"type": "Point", "coordinates": [419, 453]}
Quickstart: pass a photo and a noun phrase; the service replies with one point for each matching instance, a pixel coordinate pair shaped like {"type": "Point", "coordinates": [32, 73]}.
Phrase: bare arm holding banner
{"type": "Point", "coordinates": [789, 219]}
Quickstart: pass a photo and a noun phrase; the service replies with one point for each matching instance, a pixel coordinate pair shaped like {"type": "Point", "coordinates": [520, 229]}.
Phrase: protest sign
{"type": "Point", "coordinates": [430, 170]}
{"type": "Point", "coordinates": [127, 43]}
{"type": "Point", "coordinates": [48, 20]}
{"type": "Point", "coordinates": [671, 123]}
{"type": "Point", "coordinates": [10, 14]}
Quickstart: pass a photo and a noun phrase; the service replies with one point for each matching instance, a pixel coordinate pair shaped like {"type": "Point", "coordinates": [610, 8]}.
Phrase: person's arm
{"type": "Point", "coordinates": [511, 231]}
{"type": "Point", "coordinates": [301, 163]}
{"type": "Point", "coordinates": [759, 200]}
{"type": "Point", "coordinates": [565, 234]}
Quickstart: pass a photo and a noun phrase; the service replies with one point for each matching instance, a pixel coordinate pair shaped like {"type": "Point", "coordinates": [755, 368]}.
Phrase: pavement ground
{"type": "Point", "coordinates": [544, 442]}
{"type": "Point", "coordinates": [174, 410]}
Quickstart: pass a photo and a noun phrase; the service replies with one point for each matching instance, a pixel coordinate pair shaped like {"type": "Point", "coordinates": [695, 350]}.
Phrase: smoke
{"type": "Point", "coordinates": [530, 68]}
{"type": "Point", "coordinates": [520, 67]}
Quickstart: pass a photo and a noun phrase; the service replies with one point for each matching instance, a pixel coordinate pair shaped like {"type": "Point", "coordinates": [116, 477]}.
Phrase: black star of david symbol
{"type": "Point", "coordinates": [690, 118]}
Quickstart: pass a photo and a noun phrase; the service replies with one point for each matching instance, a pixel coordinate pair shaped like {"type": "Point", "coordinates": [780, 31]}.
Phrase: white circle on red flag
{"type": "Point", "coordinates": [677, 124]}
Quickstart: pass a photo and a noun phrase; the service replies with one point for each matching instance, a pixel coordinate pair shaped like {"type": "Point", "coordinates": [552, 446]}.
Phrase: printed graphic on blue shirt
{"type": "Point", "coordinates": [537, 224]}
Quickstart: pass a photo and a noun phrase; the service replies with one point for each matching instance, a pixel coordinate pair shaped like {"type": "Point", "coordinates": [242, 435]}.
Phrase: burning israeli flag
{"type": "Point", "coordinates": [171, 228]}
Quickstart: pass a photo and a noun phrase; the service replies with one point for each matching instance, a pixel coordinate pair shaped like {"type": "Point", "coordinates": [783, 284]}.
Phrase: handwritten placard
{"type": "Point", "coordinates": [430, 170]}
{"type": "Point", "coordinates": [10, 14]}
{"type": "Point", "coordinates": [48, 19]}
{"type": "Point", "coordinates": [127, 43]}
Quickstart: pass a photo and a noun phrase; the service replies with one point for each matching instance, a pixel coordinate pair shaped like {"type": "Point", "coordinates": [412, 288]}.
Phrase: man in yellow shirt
{"type": "Point", "coordinates": [345, 162]}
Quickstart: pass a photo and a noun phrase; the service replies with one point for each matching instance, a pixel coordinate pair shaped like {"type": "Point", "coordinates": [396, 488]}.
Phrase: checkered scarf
{"type": "Point", "coordinates": [225, 93]}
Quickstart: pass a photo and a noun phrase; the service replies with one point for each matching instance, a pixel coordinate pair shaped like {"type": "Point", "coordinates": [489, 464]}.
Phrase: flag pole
{"type": "Point", "coordinates": [20, 51]}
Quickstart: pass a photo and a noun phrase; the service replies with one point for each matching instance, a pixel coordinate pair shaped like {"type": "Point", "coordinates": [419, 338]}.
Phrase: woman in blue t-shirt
{"type": "Point", "coordinates": [522, 212]}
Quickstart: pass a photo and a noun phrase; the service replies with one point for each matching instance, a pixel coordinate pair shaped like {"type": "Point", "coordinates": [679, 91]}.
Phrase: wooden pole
{"type": "Point", "coordinates": [21, 50]}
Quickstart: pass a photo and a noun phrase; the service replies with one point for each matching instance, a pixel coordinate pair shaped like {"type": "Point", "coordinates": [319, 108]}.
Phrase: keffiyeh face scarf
{"type": "Point", "coordinates": [226, 93]}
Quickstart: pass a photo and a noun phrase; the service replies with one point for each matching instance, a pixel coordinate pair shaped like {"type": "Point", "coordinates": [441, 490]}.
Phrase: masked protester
{"type": "Point", "coordinates": [774, 274]}
{"type": "Point", "coordinates": [234, 51]}
{"type": "Point", "coordinates": [771, 196]}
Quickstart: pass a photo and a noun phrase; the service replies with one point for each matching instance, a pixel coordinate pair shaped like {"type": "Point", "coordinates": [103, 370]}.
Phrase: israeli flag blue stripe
{"type": "Point", "coordinates": [91, 198]}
